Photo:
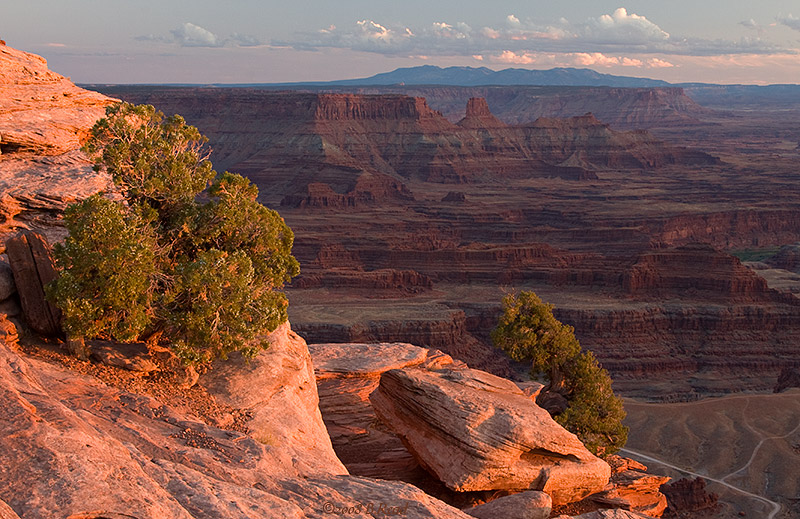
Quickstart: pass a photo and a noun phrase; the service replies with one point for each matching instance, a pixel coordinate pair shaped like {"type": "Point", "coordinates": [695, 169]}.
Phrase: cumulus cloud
{"type": "Point", "coordinates": [245, 40]}
{"type": "Point", "coordinates": [617, 33]}
{"type": "Point", "coordinates": [750, 24]}
{"type": "Point", "coordinates": [575, 59]}
{"type": "Point", "coordinates": [191, 35]}
{"type": "Point", "coordinates": [790, 22]}
{"type": "Point", "coordinates": [623, 29]}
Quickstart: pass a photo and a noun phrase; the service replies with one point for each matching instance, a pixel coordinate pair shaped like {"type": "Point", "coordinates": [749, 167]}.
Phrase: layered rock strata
{"type": "Point", "coordinates": [346, 375]}
{"type": "Point", "coordinates": [42, 112]}
{"type": "Point", "coordinates": [475, 431]}
{"type": "Point", "coordinates": [302, 142]}
{"type": "Point", "coordinates": [634, 489]}
{"type": "Point", "coordinates": [77, 448]}
{"type": "Point", "coordinates": [623, 108]}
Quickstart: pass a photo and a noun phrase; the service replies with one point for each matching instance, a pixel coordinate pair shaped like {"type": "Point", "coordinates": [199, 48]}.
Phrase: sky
{"type": "Point", "coordinates": [268, 41]}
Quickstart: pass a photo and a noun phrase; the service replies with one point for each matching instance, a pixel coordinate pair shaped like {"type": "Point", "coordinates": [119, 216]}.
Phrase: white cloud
{"type": "Point", "coordinates": [245, 40]}
{"type": "Point", "coordinates": [573, 59]}
{"type": "Point", "coordinates": [623, 28]}
{"type": "Point", "coordinates": [750, 24]}
{"type": "Point", "coordinates": [375, 30]}
{"type": "Point", "coordinates": [191, 35]}
{"type": "Point", "coordinates": [617, 34]}
{"type": "Point", "coordinates": [658, 63]}
{"type": "Point", "coordinates": [790, 21]}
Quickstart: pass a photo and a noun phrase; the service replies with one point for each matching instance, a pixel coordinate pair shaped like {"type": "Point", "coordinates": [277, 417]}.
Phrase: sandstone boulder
{"type": "Point", "coordinates": [44, 119]}
{"type": "Point", "coordinates": [278, 390]}
{"type": "Point", "coordinates": [32, 264]}
{"type": "Point", "coordinates": [636, 491]}
{"type": "Point", "coordinates": [531, 504]}
{"type": "Point", "coordinates": [346, 375]}
{"type": "Point", "coordinates": [41, 111]}
{"type": "Point", "coordinates": [633, 488]}
{"type": "Point", "coordinates": [73, 447]}
{"type": "Point", "coordinates": [476, 431]}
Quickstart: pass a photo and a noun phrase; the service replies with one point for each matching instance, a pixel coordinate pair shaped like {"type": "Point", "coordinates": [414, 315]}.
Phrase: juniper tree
{"type": "Point", "coordinates": [528, 331]}
{"type": "Point", "coordinates": [185, 253]}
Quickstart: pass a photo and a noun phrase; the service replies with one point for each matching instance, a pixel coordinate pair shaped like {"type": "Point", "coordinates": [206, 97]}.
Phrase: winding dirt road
{"type": "Point", "coordinates": [775, 507]}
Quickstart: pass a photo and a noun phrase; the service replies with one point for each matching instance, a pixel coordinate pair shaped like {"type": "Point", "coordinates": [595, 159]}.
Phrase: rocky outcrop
{"type": "Point", "coordinates": [696, 270]}
{"type": "Point", "coordinates": [788, 378]}
{"type": "Point", "coordinates": [627, 108]}
{"type": "Point", "coordinates": [475, 431]}
{"type": "Point", "coordinates": [277, 390]}
{"type": "Point", "coordinates": [296, 143]}
{"type": "Point", "coordinates": [523, 505]}
{"type": "Point", "coordinates": [42, 112]}
{"type": "Point", "coordinates": [346, 375]}
{"type": "Point", "coordinates": [622, 108]}
{"type": "Point", "coordinates": [688, 495]}
{"type": "Point", "coordinates": [44, 119]}
{"type": "Point", "coordinates": [601, 147]}
{"type": "Point", "coordinates": [78, 448]}
{"type": "Point", "coordinates": [479, 116]}
{"type": "Point", "coordinates": [633, 488]}
{"type": "Point", "coordinates": [32, 264]}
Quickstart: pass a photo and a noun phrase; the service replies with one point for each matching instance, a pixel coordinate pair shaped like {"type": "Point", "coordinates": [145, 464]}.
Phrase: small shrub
{"type": "Point", "coordinates": [186, 254]}
{"type": "Point", "coordinates": [528, 331]}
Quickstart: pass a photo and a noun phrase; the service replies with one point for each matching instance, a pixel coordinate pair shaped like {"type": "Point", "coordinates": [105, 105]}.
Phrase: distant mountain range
{"type": "Point", "coordinates": [711, 95]}
{"type": "Point", "coordinates": [482, 76]}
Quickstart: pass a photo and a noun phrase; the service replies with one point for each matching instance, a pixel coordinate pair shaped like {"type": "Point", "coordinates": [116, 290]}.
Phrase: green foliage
{"type": "Point", "coordinates": [108, 263]}
{"type": "Point", "coordinates": [528, 331]}
{"type": "Point", "coordinates": [754, 254]}
{"type": "Point", "coordinates": [186, 253]}
{"type": "Point", "coordinates": [594, 414]}
{"type": "Point", "coordinates": [151, 157]}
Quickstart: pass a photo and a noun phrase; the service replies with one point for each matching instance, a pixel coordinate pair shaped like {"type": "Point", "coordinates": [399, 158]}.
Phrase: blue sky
{"type": "Point", "coordinates": [205, 41]}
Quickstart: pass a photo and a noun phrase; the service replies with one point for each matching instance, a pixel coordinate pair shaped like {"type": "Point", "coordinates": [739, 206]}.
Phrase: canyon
{"type": "Point", "coordinates": [672, 252]}
{"type": "Point", "coordinates": [415, 217]}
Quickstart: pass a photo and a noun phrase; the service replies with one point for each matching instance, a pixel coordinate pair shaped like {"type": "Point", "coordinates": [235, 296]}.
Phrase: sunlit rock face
{"type": "Point", "coordinates": [278, 392]}
{"type": "Point", "coordinates": [476, 431]}
{"type": "Point", "coordinates": [44, 119]}
{"type": "Point", "coordinates": [76, 447]}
